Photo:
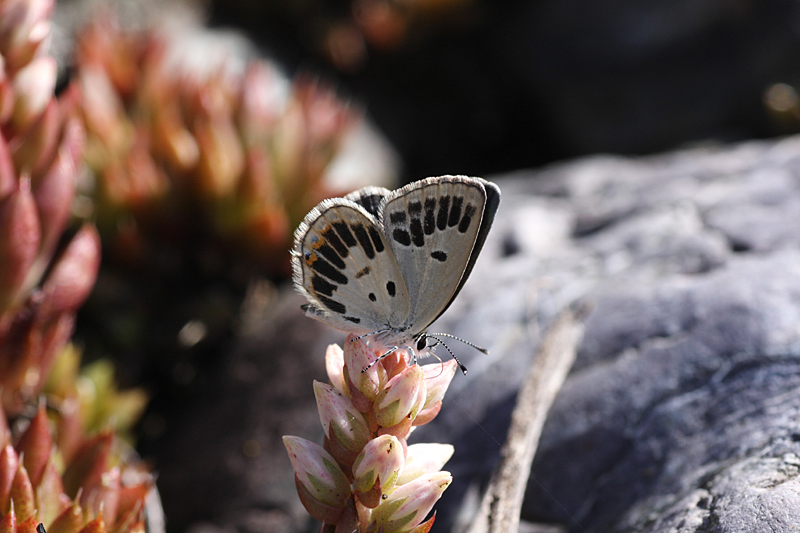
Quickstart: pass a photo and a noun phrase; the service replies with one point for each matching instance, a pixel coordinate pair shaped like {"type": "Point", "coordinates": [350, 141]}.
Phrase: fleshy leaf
{"type": "Point", "coordinates": [35, 445]}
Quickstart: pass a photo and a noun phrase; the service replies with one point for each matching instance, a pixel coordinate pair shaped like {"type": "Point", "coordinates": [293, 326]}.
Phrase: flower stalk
{"type": "Point", "coordinates": [366, 477]}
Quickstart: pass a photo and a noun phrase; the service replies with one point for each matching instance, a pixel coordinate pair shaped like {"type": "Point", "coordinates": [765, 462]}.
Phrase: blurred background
{"type": "Point", "coordinates": [201, 132]}
{"type": "Point", "coordinates": [477, 87]}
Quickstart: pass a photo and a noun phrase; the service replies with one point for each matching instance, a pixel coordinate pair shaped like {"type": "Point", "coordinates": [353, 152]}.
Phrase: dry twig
{"type": "Point", "coordinates": [501, 505]}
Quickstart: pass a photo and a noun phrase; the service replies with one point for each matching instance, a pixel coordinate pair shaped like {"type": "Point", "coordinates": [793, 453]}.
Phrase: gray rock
{"type": "Point", "coordinates": [681, 412]}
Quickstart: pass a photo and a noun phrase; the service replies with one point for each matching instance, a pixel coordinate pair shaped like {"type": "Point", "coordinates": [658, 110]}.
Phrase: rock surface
{"type": "Point", "coordinates": [681, 414]}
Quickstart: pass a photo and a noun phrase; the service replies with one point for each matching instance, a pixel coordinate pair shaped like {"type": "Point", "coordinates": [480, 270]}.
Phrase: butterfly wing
{"type": "Point", "coordinates": [436, 228]}
{"type": "Point", "coordinates": [370, 198]}
{"type": "Point", "coordinates": [489, 211]}
{"type": "Point", "coordinates": [343, 265]}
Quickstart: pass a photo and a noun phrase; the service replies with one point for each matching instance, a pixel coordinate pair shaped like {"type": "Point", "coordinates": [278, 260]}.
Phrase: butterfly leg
{"type": "Point", "coordinates": [370, 334]}
{"type": "Point", "coordinates": [392, 349]}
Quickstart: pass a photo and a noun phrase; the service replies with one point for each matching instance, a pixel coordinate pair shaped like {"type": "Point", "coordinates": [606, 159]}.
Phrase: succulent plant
{"type": "Point", "coordinates": [58, 466]}
{"type": "Point", "coordinates": [366, 477]}
{"type": "Point", "coordinates": [215, 160]}
{"type": "Point", "coordinates": [90, 484]}
{"type": "Point", "coordinates": [88, 400]}
{"type": "Point", "coordinates": [42, 283]}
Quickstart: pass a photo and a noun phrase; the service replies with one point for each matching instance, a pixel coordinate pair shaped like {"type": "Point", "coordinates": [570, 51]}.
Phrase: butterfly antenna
{"type": "Point", "coordinates": [482, 350]}
{"type": "Point", "coordinates": [390, 352]}
{"type": "Point", "coordinates": [460, 365]}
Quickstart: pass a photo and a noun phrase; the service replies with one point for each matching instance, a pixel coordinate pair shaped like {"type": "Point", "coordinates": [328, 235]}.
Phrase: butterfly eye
{"type": "Point", "coordinates": [422, 342]}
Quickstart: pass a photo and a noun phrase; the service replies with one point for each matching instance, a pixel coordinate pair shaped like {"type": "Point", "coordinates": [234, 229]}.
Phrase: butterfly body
{"type": "Point", "coordinates": [386, 264]}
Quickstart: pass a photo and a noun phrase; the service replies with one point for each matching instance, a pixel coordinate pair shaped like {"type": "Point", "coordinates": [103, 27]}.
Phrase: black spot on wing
{"type": "Point", "coordinates": [308, 308]}
{"type": "Point", "coordinates": [397, 217]}
{"type": "Point", "coordinates": [444, 208]}
{"type": "Point", "coordinates": [323, 286]}
{"type": "Point", "coordinates": [414, 208]}
{"type": "Point", "coordinates": [372, 297]}
{"type": "Point", "coordinates": [354, 320]}
{"type": "Point", "coordinates": [376, 239]}
{"type": "Point", "coordinates": [363, 272]}
{"type": "Point", "coordinates": [466, 220]}
{"type": "Point", "coordinates": [402, 236]}
{"type": "Point", "coordinates": [455, 211]}
{"type": "Point", "coordinates": [363, 239]}
{"type": "Point", "coordinates": [329, 271]}
{"type": "Point", "coordinates": [344, 232]}
{"type": "Point", "coordinates": [330, 236]}
{"type": "Point", "coordinates": [330, 254]}
{"type": "Point", "coordinates": [439, 255]}
{"type": "Point", "coordinates": [417, 237]}
{"type": "Point", "coordinates": [390, 288]}
{"type": "Point", "coordinates": [333, 305]}
{"type": "Point", "coordinates": [371, 203]}
{"type": "Point", "coordinates": [430, 216]}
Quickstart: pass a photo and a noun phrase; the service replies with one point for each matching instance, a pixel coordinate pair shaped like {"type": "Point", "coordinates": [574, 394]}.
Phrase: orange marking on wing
{"type": "Point", "coordinates": [320, 239]}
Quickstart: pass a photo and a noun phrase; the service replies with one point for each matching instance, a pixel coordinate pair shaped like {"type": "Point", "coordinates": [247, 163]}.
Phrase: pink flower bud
{"type": "Point", "coordinates": [322, 486]}
{"type": "Point", "coordinates": [403, 397]}
{"type": "Point", "coordinates": [344, 425]}
{"type": "Point", "coordinates": [334, 365]}
{"type": "Point", "coordinates": [365, 385]}
{"type": "Point", "coordinates": [437, 379]}
{"type": "Point", "coordinates": [34, 86]}
{"type": "Point", "coordinates": [424, 459]}
{"type": "Point", "coordinates": [377, 468]}
{"type": "Point", "coordinates": [409, 504]}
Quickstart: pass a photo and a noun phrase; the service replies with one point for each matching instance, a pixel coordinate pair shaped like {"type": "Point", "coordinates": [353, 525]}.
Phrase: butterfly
{"type": "Point", "coordinates": [386, 264]}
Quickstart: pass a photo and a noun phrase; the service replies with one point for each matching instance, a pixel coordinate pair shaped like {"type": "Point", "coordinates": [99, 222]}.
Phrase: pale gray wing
{"type": "Point", "coordinates": [433, 226]}
{"type": "Point", "coordinates": [489, 211]}
{"type": "Point", "coordinates": [343, 265]}
{"type": "Point", "coordinates": [370, 198]}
